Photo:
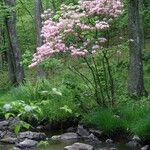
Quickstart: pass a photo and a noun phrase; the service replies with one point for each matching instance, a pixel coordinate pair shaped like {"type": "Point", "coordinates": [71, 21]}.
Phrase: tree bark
{"type": "Point", "coordinates": [16, 72]}
{"type": "Point", "coordinates": [135, 78]}
{"type": "Point", "coordinates": [38, 10]}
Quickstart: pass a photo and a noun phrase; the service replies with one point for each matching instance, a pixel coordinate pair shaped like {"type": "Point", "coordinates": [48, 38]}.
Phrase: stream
{"type": "Point", "coordinates": [57, 145]}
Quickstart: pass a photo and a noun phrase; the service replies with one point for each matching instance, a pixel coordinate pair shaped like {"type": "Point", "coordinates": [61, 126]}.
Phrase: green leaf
{"type": "Point", "coordinates": [7, 115]}
{"type": "Point", "coordinates": [17, 128]}
{"type": "Point", "coordinates": [26, 125]}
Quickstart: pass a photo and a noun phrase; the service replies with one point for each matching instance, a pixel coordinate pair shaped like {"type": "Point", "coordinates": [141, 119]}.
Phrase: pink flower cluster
{"type": "Point", "coordinates": [71, 22]}
{"type": "Point", "coordinates": [102, 7]}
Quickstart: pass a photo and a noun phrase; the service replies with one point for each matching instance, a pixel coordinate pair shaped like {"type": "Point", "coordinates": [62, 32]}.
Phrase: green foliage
{"type": "Point", "coordinates": [142, 127]}
{"type": "Point", "coordinates": [103, 119]}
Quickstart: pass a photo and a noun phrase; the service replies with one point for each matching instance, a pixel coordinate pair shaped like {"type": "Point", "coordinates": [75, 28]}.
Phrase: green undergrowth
{"type": "Point", "coordinates": [131, 117]}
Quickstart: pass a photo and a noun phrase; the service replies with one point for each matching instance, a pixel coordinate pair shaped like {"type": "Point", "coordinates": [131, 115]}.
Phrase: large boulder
{"type": "Point", "coordinates": [32, 135]}
{"type": "Point", "coordinates": [79, 146]}
{"type": "Point", "coordinates": [27, 143]}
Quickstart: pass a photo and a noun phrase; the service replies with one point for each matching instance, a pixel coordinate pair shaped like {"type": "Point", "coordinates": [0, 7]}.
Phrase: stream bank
{"type": "Point", "coordinates": [73, 138]}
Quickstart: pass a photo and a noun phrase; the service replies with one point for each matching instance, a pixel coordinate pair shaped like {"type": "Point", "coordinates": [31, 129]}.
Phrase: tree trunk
{"type": "Point", "coordinates": [16, 72]}
{"type": "Point", "coordinates": [38, 10]}
{"type": "Point", "coordinates": [135, 81]}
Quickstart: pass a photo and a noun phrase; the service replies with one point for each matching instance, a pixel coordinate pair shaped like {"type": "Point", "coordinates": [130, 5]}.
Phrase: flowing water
{"type": "Point", "coordinates": [57, 145]}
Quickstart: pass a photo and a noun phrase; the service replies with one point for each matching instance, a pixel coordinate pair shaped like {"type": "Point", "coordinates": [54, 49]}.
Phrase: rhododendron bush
{"type": "Point", "coordinates": [78, 31]}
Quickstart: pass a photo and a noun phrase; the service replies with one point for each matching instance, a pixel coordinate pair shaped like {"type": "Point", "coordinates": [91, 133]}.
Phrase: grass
{"type": "Point", "coordinates": [131, 117]}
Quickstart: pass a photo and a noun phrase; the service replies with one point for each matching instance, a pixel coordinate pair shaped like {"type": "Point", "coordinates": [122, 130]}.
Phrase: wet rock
{"type": "Point", "coordinates": [71, 129]}
{"type": "Point", "coordinates": [69, 136]}
{"type": "Point", "coordinates": [32, 135]}
{"type": "Point", "coordinates": [79, 146]}
{"type": "Point", "coordinates": [136, 138]}
{"type": "Point", "coordinates": [97, 133]}
{"type": "Point", "coordinates": [146, 147]}
{"type": "Point", "coordinates": [40, 128]}
{"type": "Point", "coordinates": [9, 140]}
{"type": "Point", "coordinates": [109, 141]}
{"type": "Point", "coordinates": [4, 125]}
{"type": "Point", "coordinates": [27, 143]}
{"type": "Point", "coordinates": [6, 134]}
{"type": "Point", "coordinates": [82, 131]}
{"type": "Point", "coordinates": [16, 148]}
{"type": "Point", "coordinates": [93, 138]}
{"type": "Point", "coordinates": [133, 144]}
{"type": "Point", "coordinates": [55, 137]}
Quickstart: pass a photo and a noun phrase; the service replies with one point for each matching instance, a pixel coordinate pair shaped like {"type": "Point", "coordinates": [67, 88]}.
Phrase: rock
{"type": "Point", "coordinates": [69, 136]}
{"type": "Point", "coordinates": [9, 140]}
{"type": "Point", "coordinates": [136, 138]}
{"type": "Point", "coordinates": [71, 129]}
{"type": "Point", "coordinates": [6, 134]}
{"type": "Point", "coordinates": [40, 128]}
{"type": "Point", "coordinates": [82, 131]}
{"type": "Point", "coordinates": [93, 138]}
{"type": "Point", "coordinates": [32, 135]}
{"type": "Point", "coordinates": [55, 137]}
{"type": "Point", "coordinates": [79, 146]}
{"type": "Point", "coordinates": [97, 133]}
{"type": "Point", "coordinates": [109, 141]}
{"type": "Point", "coordinates": [27, 143]}
{"type": "Point", "coordinates": [146, 147]}
{"type": "Point", "coordinates": [16, 148]}
{"type": "Point", "coordinates": [4, 125]}
{"type": "Point", "coordinates": [133, 144]}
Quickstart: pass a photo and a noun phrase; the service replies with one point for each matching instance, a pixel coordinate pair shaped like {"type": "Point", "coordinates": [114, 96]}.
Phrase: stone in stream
{"type": "Point", "coordinates": [71, 129]}
{"type": "Point", "coordinates": [27, 143]}
{"type": "Point", "coordinates": [6, 134]}
{"type": "Point", "coordinates": [79, 146]}
{"type": "Point", "coordinates": [4, 124]}
{"type": "Point", "coordinates": [97, 133]}
{"type": "Point", "coordinates": [32, 135]}
{"type": "Point", "coordinates": [133, 144]}
{"type": "Point", "coordinates": [93, 138]}
{"type": "Point", "coordinates": [9, 140]}
{"type": "Point", "coordinates": [109, 141]}
{"type": "Point", "coordinates": [146, 147]}
{"type": "Point", "coordinates": [82, 131]}
{"type": "Point", "coordinates": [136, 138]}
{"type": "Point", "coordinates": [69, 136]}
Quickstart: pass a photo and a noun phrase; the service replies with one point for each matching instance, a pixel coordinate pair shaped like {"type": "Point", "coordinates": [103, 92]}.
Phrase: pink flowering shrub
{"type": "Point", "coordinates": [77, 31]}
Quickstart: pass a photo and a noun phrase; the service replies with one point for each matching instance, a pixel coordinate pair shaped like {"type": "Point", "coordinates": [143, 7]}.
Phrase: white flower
{"type": "Point", "coordinates": [56, 91]}
{"type": "Point", "coordinates": [27, 108]}
{"type": "Point", "coordinates": [7, 107]}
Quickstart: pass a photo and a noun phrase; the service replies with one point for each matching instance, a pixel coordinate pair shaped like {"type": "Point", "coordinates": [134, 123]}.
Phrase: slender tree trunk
{"type": "Point", "coordinates": [16, 72]}
{"type": "Point", "coordinates": [135, 81]}
{"type": "Point", "coordinates": [38, 10]}
{"type": "Point", "coordinates": [141, 9]}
